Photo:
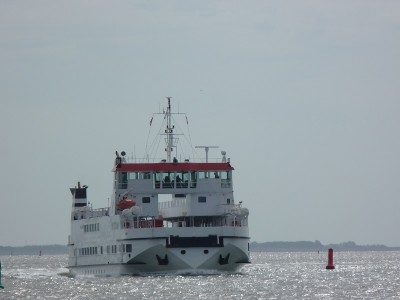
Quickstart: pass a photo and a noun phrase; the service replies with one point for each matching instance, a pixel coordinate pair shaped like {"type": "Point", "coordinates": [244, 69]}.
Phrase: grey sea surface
{"type": "Point", "coordinates": [284, 275]}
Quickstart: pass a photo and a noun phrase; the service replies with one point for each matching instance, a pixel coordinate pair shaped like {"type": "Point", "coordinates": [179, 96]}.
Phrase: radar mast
{"type": "Point", "coordinates": [169, 132]}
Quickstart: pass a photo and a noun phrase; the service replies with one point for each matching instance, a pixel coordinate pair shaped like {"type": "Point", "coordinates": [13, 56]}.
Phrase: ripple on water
{"type": "Point", "coordinates": [366, 275]}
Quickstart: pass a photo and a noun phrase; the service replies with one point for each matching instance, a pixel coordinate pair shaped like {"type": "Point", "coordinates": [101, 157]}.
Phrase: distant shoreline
{"type": "Point", "coordinates": [299, 246]}
{"type": "Point", "coordinates": [306, 246]}
{"type": "Point", "coordinates": [34, 250]}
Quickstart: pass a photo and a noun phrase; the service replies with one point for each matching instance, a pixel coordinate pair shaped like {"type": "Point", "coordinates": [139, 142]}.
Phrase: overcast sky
{"type": "Point", "coordinates": [303, 96]}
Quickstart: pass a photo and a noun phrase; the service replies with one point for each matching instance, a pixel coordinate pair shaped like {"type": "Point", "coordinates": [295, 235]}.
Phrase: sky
{"type": "Point", "coordinates": [303, 95]}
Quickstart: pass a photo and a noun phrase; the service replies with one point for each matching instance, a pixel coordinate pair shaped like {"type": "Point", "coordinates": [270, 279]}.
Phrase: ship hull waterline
{"type": "Point", "coordinates": [159, 260]}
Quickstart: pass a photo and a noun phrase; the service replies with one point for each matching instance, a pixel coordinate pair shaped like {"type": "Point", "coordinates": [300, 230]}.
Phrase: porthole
{"type": "Point", "coordinates": [206, 251]}
{"type": "Point", "coordinates": [183, 251]}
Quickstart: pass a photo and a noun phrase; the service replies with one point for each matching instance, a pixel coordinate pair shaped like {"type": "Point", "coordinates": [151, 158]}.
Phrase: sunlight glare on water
{"type": "Point", "coordinates": [363, 275]}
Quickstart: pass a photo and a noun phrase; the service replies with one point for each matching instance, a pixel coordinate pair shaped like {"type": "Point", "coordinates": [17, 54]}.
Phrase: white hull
{"type": "Point", "coordinates": [153, 252]}
{"type": "Point", "coordinates": [194, 261]}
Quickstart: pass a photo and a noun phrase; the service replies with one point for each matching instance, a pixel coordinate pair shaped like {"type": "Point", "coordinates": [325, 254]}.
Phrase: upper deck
{"type": "Point", "coordinates": [147, 177]}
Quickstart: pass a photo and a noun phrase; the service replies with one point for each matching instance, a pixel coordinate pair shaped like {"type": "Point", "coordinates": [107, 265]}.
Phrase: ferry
{"type": "Point", "coordinates": [165, 216]}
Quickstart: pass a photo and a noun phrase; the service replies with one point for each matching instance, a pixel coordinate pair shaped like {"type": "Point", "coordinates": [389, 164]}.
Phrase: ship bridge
{"type": "Point", "coordinates": [166, 176]}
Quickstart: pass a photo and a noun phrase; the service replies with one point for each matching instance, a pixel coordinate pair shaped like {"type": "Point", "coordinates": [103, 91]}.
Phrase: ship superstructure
{"type": "Point", "coordinates": [166, 216]}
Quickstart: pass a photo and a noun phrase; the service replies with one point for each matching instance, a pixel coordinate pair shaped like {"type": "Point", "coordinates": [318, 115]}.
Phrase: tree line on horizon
{"type": "Point", "coordinates": [284, 246]}
{"type": "Point", "coordinates": [307, 246]}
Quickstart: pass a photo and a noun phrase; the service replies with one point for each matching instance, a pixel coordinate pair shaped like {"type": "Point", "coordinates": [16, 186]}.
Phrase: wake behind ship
{"type": "Point", "coordinates": [200, 228]}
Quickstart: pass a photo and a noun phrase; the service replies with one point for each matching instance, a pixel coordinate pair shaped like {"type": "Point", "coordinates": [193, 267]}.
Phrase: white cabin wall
{"type": "Point", "coordinates": [210, 185]}
{"type": "Point", "coordinates": [108, 234]}
{"type": "Point", "coordinates": [147, 209]}
{"type": "Point", "coordinates": [208, 208]}
{"type": "Point", "coordinates": [143, 185]}
{"type": "Point", "coordinates": [190, 206]}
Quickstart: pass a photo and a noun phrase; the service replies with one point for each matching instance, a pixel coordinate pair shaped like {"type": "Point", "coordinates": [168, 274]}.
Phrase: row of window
{"type": "Point", "coordinates": [91, 227]}
{"type": "Point", "coordinates": [94, 272]}
{"type": "Point", "coordinates": [182, 179]}
{"type": "Point", "coordinates": [89, 251]}
{"type": "Point", "coordinates": [183, 175]}
{"type": "Point", "coordinates": [110, 249]}
{"type": "Point", "coordinates": [203, 199]}
{"type": "Point", "coordinates": [124, 248]}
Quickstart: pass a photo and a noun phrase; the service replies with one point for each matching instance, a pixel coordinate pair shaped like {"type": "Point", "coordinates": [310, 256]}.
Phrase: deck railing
{"type": "Point", "coordinates": [226, 221]}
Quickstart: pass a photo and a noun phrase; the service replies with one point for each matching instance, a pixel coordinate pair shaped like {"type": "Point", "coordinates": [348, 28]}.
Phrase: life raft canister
{"type": "Point", "coordinates": [126, 203]}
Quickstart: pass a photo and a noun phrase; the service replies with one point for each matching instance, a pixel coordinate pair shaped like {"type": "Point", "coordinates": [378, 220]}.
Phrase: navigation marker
{"type": "Point", "coordinates": [330, 265]}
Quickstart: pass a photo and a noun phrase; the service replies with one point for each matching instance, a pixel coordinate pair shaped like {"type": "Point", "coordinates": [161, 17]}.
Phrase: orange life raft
{"type": "Point", "coordinates": [126, 203]}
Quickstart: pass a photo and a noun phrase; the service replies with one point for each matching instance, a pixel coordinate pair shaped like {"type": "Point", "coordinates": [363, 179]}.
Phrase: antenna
{"type": "Point", "coordinates": [206, 148]}
{"type": "Point", "coordinates": [170, 136]}
{"type": "Point", "coordinates": [169, 131]}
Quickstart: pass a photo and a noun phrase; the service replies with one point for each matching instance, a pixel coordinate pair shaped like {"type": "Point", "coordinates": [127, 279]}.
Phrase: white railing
{"type": "Point", "coordinates": [161, 159]}
{"type": "Point", "coordinates": [228, 208]}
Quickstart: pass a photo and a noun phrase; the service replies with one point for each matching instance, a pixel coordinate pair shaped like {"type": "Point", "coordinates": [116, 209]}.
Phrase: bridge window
{"type": "Point", "coordinates": [145, 175]}
{"type": "Point", "coordinates": [215, 174]}
{"type": "Point", "coordinates": [133, 175]}
{"type": "Point", "coordinates": [181, 180]}
{"type": "Point", "coordinates": [168, 179]}
{"type": "Point", "coordinates": [202, 175]}
{"type": "Point", "coordinates": [193, 180]}
{"type": "Point", "coordinates": [226, 175]}
{"type": "Point", "coordinates": [226, 179]}
{"type": "Point", "coordinates": [157, 180]}
{"type": "Point", "coordinates": [209, 174]}
{"type": "Point", "coordinates": [122, 178]}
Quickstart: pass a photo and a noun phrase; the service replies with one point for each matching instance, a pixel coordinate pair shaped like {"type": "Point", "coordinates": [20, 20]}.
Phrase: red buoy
{"type": "Point", "coordinates": [330, 265]}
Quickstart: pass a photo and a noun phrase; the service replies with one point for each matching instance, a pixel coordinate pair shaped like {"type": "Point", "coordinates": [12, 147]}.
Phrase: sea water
{"type": "Point", "coordinates": [358, 275]}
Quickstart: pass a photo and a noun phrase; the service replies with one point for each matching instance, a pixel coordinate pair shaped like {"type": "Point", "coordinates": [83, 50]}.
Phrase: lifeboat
{"type": "Point", "coordinates": [126, 203]}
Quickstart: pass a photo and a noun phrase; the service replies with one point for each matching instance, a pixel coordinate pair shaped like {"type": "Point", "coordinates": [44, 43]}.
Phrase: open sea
{"type": "Point", "coordinates": [284, 275]}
